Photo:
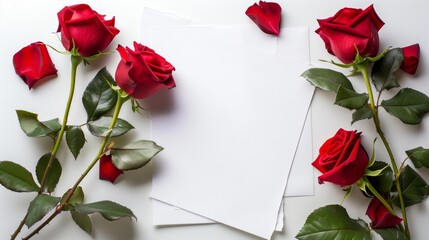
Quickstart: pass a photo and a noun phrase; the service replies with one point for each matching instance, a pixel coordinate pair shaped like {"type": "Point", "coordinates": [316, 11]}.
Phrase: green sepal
{"type": "Point", "coordinates": [75, 139]}
{"type": "Point", "coordinates": [16, 178]}
{"type": "Point", "coordinates": [408, 105]}
{"type": "Point", "coordinates": [39, 207]}
{"type": "Point", "coordinates": [134, 155]}
{"type": "Point", "coordinates": [54, 174]}
{"type": "Point", "coordinates": [108, 209]}
{"type": "Point", "coordinates": [414, 187]}
{"type": "Point", "coordinates": [327, 79]}
{"type": "Point", "coordinates": [98, 97]}
{"type": "Point", "coordinates": [32, 127]}
{"type": "Point", "coordinates": [419, 156]}
{"type": "Point", "coordinates": [350, 99]}
{"type": "Point", "coordinates": [82, 220]}
{"type": "Point", "coordinates": [383, 71]}
{"type": "Point", "coordinates": [100, 127]}
{"type": "Point", "coordinates": [333, 222]}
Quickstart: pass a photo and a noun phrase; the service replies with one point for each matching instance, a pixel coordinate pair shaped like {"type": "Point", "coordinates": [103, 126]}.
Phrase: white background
{"type": "Point", "coordinates": [23, 22]}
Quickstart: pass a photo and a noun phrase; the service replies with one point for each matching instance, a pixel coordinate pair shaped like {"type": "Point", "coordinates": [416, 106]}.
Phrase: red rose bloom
{"type": "Point", "coordinates": [108, 171]}
{"type": "Point", "coordinates": [266, 16]}
{"type": "Point", "coordinates": [350, 29]}
{"type": "Point", "coordinates": [342, 159]}
{"type": "Point", "coordinates": [89, 31]}
{"type": "Point", "coordinates": [142, 72]}
{"type": "Point", "coordinates": [380, 216]}
{"type": "Point", "coordinates": [33, 63]}
{"type": "Point", "coordinates": [411, 58]}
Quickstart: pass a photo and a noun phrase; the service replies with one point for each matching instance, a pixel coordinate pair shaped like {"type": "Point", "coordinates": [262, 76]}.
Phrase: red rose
{"type": "Point", "coordinates": [142, 72]}
{"type": "Point", "coordinates": [380, 216]}
{"type": "Point", "coordinates": [351, 29]}
{"type": "Point", "coordinates": [33, 63]}
{"type": "Point", "coordinates": [411, 58]}
{"type": "Point", "coordinates": [342, 159]}
{"type": "Point", "coordinates": [266, 15]}
{"type": "Point", "coordinates": [108, 171]}
{"type": "Point", "coordinates": [89, 30]}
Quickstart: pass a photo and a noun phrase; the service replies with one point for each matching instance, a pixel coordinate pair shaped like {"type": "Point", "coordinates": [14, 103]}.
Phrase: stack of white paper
{"type": "Point", "coordinates": [231, 127]}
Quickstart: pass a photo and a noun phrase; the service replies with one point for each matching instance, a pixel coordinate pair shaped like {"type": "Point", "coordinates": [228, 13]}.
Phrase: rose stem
{"type": "Point", "coordinates": [75, 60]}
{"type": "Point", "coordinates": [100, 152]}
{"type": "Point", "coordinates": [363, 69]}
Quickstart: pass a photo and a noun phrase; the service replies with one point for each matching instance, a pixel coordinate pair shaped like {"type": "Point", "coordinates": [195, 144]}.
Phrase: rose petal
{"type": "Point", "coordinates": [380, 216]}
{"type": "Point", "coordinates": [108, 171]}
{"type": "Point", "coordinates": [411, 58]}
{"type": "Point", "coordinates": [266, 16]}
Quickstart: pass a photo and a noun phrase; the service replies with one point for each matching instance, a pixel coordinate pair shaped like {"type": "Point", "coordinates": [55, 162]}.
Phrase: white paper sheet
{"type": "Point", "coordinates": [224, 122]}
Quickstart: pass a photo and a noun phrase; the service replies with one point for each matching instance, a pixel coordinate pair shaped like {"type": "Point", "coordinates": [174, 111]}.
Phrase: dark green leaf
{"type": "Point", "coordinates": [99, 98]}
{"type": "Point", "coordinates": [32, 127]}
{"type": "Point", "coordinates": [16, 178]}
{"type": "Point", "coordinates": [134, 155]}
{"type": "Point", "coordinates": [39, 207]}
{"type": "Point", "coordinates": [384, 181]}
{"type": "Point", "coordinates": [100, 127]}
{"type": "Point", "coordinates": [82, 220]}
{"type": "Point", "coordinates": [419, 156]}
{"type": "Point", "coordinates": [75, 139]}
{"type": "Point", "coordinates": [333, 222]}
{"type": "Point", "coordinates": [76, 198]}
{"type": "Point", "coordinates": [53, 175]}
{"type": "Point", "coordinates": [109, 210]}
{"type": "Point", "coordinates": [350, 99]}
{"type": "Point", "coordinates": [391, 234]}
{"type": "Point", "coordinates": [383, 71]}
{"type": "Point", "coordinates": [414, 187]}
{"type": "Point", "coordinates": [363, 113]}
{"type": "Point", "coordinates": [408, 105]}
{"type": "Point", "coordinates": [327, 79]}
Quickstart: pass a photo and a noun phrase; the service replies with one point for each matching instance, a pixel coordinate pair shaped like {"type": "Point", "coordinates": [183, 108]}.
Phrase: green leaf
{"type": "Point", "coordinates": [16, 178]}
{"type": "Point", "coordinates": [362, 113]}
{"type": "Point", "coordinates": [100, 127]}
{"type": "Point", "coordinates": [32, 127]}
{"type": "Point", "coordinates": [82, 220]}
{"type": "Point", "coordinates": [419, 156]}
{"type": "Point", "coordinates": [99, 98]}
{"type": "Point", "coordinates": [382, 180]}
{"type": "Point", "coordinates": [134, 155]}
{"type": "Point", "coordinates": [350, 99]}
{"type": "Point", "coordinates": [76, 198]}
{"type": "Point", "coordinates": [39, 207]}
{"type": "Point", "coordinates": [332, 222]}
{"type": "Point", "coordinates": [408, 105]}
{"type": "Point", "coordinates": [108, 209]}
{"type": "Point", "coordinates": [383, 71]}
{"type": "Point", "coordinates": [414, 187]}
{"type": "Point", "coordinates": [327, 79]}
{"type": "Point", "coordinates": [75, 139]}
{"type": "Point", "coordinates": [391, 234]}
{"type": "Point", "coordinates": [54, 173]}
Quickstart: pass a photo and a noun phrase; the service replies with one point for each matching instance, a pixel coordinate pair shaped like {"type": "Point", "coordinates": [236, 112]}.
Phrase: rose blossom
{"type": "Point", "coordinates": [89, 31]}
{"type": "Point", "coordinates": [342, 159]}
{"type": "Point", "coordinates": [350, 29]}
{"type": "Point", "coordinates": [380, 216]}
{"type": "Point", "coordinates": [33, 63]}
{"type": "Point", "coordinates": [142, 72]}
{"type": "Point", "coordinates": [266, 16]}
{"type": "Point", "coordinates": [411, 58]}
{"type": "Point", "coordinates": [108, 170]}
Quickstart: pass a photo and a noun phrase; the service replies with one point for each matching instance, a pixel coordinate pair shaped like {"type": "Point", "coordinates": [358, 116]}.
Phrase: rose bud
{"type": "Point", "coordinates": [142, 72]}
{"type": "Point", "coordinates": [266, 15]}
{"type": "Point", "coordinates": [342, 159]}
{"type": "Point", "coordinates": [350, 29]}
{"type": "Point", "coordinates": [380, 216]}
{"type": "Point", "coordinates": [411, 58]}
{"type": "Point", "coordinates": [87, 29]}
{"type": "Point", "coordinates": [33, 63]}
{"type": "Point", "coordinates": [108, 170]}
